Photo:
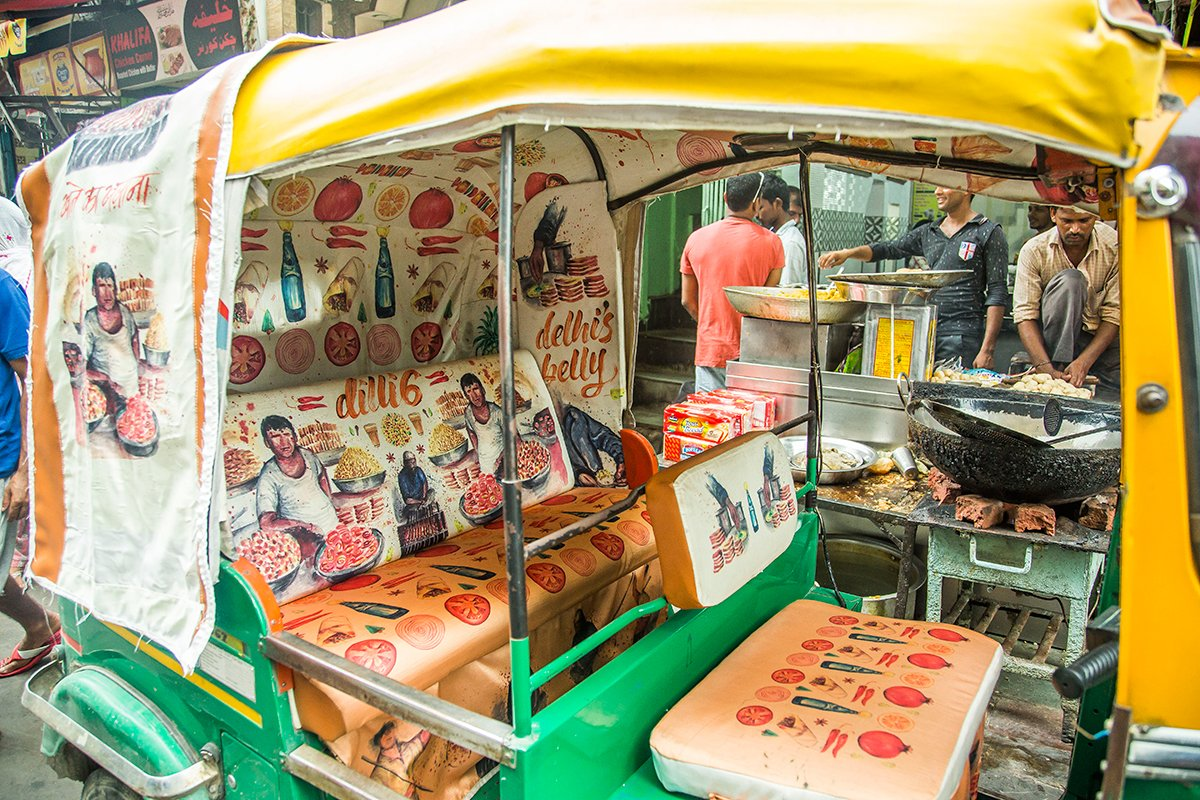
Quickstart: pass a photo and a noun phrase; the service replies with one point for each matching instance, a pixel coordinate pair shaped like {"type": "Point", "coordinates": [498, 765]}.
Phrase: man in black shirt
{"type": "Point", "coordinates": [970, 311]}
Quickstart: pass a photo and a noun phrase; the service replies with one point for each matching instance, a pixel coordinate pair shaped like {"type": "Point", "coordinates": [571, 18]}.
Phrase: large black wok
{"type": "Point", "coordinates": [1014, 473]}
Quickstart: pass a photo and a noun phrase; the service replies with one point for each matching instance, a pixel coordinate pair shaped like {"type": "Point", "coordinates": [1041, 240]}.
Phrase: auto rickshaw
{"type": "Point", "coordinates": [331, 348]}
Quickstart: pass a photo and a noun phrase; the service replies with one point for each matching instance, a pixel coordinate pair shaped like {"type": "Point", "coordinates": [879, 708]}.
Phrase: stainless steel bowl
{"type": "Point", "coordinates": [155, 358]}
{"type": "Point", "coordinates": [772, 302]}
{"type": "Point", "coordinates": [892, 295]}
{"type": "Point", "coordinates": [797, 448]}
{"type": "Point", "coordinates": [921, 279]}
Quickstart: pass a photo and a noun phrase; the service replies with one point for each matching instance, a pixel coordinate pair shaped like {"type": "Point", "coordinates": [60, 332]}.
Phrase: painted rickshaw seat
{"type": "Point", "coordinates": [429, 607]}
{"type": "Point", "coordinates": [819, 703]}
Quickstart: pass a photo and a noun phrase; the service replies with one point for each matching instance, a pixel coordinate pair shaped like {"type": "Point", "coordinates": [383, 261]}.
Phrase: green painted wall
{"type": "Point", "coordinates": [670, 219]}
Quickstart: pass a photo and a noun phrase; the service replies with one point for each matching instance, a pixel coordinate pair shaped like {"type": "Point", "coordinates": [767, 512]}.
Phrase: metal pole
{"type": "Point", "coordinates": [813, 437]}
{"type": "Point", "coordinates": [514, 538]}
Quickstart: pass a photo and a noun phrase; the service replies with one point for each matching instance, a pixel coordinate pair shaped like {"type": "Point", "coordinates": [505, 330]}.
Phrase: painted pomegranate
{"type": "Point", "coordinates": [906, 696]}
{"type": "Point", "coordinates": [946, 635]}
{"type": "Point", "coordinates": [338, 200]}
{"type": "Point", "coordinates": [928, 661]}
{"type": "Point", "coordinates": [882, 744]}
{"type": "Point", "coordinates": [432, 208]}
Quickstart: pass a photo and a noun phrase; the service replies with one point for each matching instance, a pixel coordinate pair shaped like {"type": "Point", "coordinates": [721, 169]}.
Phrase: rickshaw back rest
{"type": "Point", "coordinates": [721, 517]}
{"type": "Point", "coordinates": [391, 467]}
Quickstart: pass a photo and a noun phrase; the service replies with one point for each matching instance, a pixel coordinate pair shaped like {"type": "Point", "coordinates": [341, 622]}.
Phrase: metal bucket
{"type": "Point", "coordinates": [869, 568]}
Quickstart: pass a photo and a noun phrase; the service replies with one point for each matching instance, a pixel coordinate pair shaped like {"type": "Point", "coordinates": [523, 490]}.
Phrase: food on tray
{"type": "Point", "coordinates": [444, 439]}
{"type": "Point", "coordinates": [452, 404]}
{"type": "Point", "coordinates": [532, 458]}
{"type": "Point", "coordinates": [832, 293]}
{"type": "Point", "coordinates": [319, 437]}
{"type": "Point", "coordinates": [136, 294]}
{"type": "Point", "coordinates": [1044, 384]}
{"type": "Point", "coordinates": [356, 463]}
{"type": "Point", "coordinates": [396, 430]}
{"type": "Point", "coordinates": [275, 554]}
{"type": "Point", "coordinates": [240, 466]}
{"type": "Point", "coordinates": [483, 496]}
{"type": "Point", "coordinates": [347, 547]}
{"type": "Point", "coordinates": [834, 458]}
{"type": "Point", "coordinates": [137, 424]}
{"type": "Point", "coordinates": [95, 404]}
{"type": "Point", "coordinates": [973, 377]}
{"type": "Point", "coordinates": [156, 337]}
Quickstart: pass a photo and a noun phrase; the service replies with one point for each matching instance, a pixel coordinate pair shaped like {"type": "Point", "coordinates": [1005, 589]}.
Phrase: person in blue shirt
{"type": "Point", "coordinates": [41, 628]}
{"type": "Point", "coordinates": [414, 486]}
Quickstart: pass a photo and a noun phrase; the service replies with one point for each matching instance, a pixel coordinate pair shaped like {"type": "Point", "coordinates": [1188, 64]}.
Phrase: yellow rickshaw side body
{"type": "Point", "coordinates": [1159, 584]}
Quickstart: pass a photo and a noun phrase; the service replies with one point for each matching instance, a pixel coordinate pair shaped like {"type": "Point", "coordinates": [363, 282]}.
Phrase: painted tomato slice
{"type": "Point", "coordinates": [548, 576]}
{"type": "Point", "coordinates": [817, 645]}
{"type": "Point", "coordinates": [843, 620]}
{"type": "Point", "coordinates": [787, 676]}
{"type": "Point", "coordinates": [246, 359]}
{"type": "Point", "coordinates": [377, 655]}
{"type": "Point", "coordinates": [472, 609]}
{"type": "Point", "coordinates": [426, 341]}
{"type": "Point", "coordinates": [611, 546]}
{"type": "Point", "coordinates": [342, 344]}
{"type": "Point", "coordinates": [754, 715]}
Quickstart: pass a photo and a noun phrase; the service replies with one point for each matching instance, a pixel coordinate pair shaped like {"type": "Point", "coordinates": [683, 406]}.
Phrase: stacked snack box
{"type": "Point", "coordinates": [707, 419]}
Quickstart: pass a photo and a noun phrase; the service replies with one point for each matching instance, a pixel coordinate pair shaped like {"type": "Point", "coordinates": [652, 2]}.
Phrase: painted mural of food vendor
{"type": "Point", "coordinates": [110, 334]}
{"type": "Point", "coordinates": [293, 487]}
{"type": "Point", "coordinates": [485, 425]}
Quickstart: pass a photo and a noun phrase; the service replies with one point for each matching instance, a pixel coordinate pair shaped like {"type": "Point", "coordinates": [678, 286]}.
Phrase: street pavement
{"type": "Point", "coordinates": [24, 772]}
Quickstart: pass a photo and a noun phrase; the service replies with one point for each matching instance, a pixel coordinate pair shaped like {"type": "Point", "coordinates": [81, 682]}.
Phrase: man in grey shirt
{"type": "Point", "coordinates": [293, 487]}
{"type": "Point", "coordinates": [970, 311]}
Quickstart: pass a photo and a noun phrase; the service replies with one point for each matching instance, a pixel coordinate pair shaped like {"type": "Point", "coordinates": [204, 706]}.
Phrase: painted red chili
{"type": "Point", "coordinates": [858, 693]}
{"type": "Point", "coordinates": [346, 230]}
{"type": "Point", "coordinates": [254, 233]}
{"type": "Point", "coordinates": [430, 240]}
{"type": "Point", "coordinates": [253, 246]}
{"type": "Point", "coordinates": [882, 658]}
{"type": "Point", "coordinates": [829, 742]}
{"type": "Point", "coordinates": [867, 695]}
{"type": "Point", "coordinates": [841, 741]}
{"type": "Point", "coordinates": [437, 251]}
{"type": "Point", "coordinates": [311, 406]}
{"type": "Point", "coordinates": [310, 398]}
{"type": "Point", "coordinates": [336, 242]}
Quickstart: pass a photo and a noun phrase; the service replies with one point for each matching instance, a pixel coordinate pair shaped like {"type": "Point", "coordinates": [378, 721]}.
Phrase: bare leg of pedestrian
{"type": "Point", "coordinates": [40, 626]}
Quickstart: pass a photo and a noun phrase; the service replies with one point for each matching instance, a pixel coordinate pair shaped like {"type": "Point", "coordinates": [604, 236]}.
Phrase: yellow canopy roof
{"type": "Point", "coordinates": [1055, 74]}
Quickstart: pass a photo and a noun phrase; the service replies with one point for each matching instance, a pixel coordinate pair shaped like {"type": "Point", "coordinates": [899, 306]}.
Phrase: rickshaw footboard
{"type": "Point", "coordinates": [206, 772]}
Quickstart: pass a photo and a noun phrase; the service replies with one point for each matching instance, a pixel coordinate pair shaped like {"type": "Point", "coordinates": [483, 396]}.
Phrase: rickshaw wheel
{"type": "Point", "coordinates": [101, 785]}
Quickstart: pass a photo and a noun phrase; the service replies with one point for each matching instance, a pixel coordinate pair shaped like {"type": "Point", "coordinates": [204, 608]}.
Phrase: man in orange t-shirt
{"type": "Point", "coordinates": [736, 251]}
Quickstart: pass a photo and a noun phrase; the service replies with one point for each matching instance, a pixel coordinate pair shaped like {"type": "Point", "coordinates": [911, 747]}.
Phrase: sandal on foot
{"type": "Point", "coordinates": [31, 657]}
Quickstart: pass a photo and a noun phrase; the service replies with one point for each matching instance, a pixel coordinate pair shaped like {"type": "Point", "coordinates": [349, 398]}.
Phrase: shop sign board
{"type": "Point", "coordinates": [172, 38]}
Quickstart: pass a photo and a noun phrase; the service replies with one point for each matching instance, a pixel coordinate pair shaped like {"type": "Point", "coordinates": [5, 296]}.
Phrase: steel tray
{"type": "Point", "coordinates": [771, 302]}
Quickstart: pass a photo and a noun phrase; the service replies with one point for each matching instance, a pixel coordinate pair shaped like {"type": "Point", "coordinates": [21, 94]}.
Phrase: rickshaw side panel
{"type": "Point", "coordinates": [579, 752]}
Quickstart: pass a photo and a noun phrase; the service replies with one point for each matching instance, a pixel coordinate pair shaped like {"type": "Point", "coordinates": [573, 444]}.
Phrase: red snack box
{"type": "Point", "coordinates": [762, 406]}
{"type": "Point", "coordinates": [677, 448]}
{"type": "Point", "coordinates": [712, 423]}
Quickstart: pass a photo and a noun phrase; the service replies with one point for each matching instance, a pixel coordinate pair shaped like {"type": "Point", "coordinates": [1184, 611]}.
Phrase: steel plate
{"type": "Point", "coordinates": [923, 279]}
{"type": "Point", "coordinates": [772, 302]}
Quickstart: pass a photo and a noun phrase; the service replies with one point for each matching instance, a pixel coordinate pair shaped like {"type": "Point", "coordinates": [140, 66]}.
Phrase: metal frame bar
{"type": "Point", "coordinates": [333, 777]}
{"type": "Point", "coordinates": [547, 673]}
{"type": "Point", "coordinates": [514, 538]}
{"type": "Point", "coordinates": [563, 534]}
{"type": "Point", "coordinates": [205, 772]}
{"type": "Point", "coordinates": [476, 732]}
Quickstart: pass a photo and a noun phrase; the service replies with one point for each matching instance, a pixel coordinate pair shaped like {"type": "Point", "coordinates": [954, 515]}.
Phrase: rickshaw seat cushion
{"type": "Point", "coordinates": [716, 531]}
{"type": "Point", "coordinates": [419, 617]}
{"type": "Point", "coordinates": [824, 703]}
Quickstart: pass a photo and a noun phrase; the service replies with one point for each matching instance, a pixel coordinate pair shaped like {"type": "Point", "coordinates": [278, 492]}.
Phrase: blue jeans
{"type": "Point", "coordinates": [709, 378]}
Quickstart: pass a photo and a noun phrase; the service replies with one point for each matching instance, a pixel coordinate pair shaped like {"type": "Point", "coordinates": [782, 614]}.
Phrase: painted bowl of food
{"type": "Point", "coordinates": [348, 550]}
{"type": "Point", "coordinates": [275, 554]}
{"type": "Point", "coordinates": [95, 406]}
{"type": "Point", "coordinates": [363, 484]}
{"type": "Point", "coordinates": [137, 428]}
{"type": "Point", "coordinates": [155, 358]}
{"type": "Point", "coordinates": [533, 465]}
